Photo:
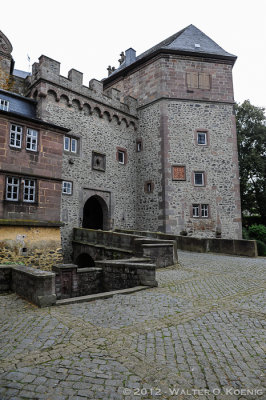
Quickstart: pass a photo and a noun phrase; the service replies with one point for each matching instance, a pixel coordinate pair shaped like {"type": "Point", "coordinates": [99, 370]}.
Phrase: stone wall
{"type": "Point", "coordinates": [166, 76]}
{"type": "Point", "coordinates": [149, 204]}
{"type": "Point", "coordinates": [101, 124]}
{"type": "Point", "coordinates": [36, 286]}
{"type": "Point", "coordinates": [34, 246]}
{"type": "Point", "coordinates": [218, 160]}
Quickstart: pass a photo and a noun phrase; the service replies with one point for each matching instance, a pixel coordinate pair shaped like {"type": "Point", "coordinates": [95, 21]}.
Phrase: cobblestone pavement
{"type": "Point", "coordinates": [199, 335]}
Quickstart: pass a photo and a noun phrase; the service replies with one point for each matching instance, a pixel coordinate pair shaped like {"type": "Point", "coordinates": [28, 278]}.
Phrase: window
{"type": "Point", "coordinates": [29, 190]}
{"type": "Point", "coordinates": [199, 178]}
{"type": "Point", "coordinates": [4, 105]}
{"type": "Point", "coordinates": [70, 144]}
{"type": "Point", "coordinates": [195, 210]}
{"type": "Point", "coordinates": [74, 146]}
{"type": "Point", "coordinates": [204, 210]}
{"type": "Point", "coordinates": [202, 138]}
{"type": "Point", "coordinates": [31, 140]}
{"type": "Point", "coordinates": [139, 145]}
{"type": "Point", "coordinates": [121, 157]}
{"type": "Point", "coordinates": [67, 187]}
{"type": "Point", "coordinates": [149, 187]}
{"type": "Point", "coordinates": [15, 136]}
{"type": "Point", "coordinates": [200, 210]}
{"type": "Point", "coordinates": [12, 189]}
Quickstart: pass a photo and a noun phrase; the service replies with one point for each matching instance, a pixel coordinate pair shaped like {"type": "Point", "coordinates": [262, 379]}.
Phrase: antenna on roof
{"type": "Point", "coordinates": [28, 58]}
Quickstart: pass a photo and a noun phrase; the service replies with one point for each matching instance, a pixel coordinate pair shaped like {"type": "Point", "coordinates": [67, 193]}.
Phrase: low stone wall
{"type": "Point", "coordinates": [72, 281]}
{"type": "Point", "coordinates": [31, 243]}
{"type": "Point", "coordinates": [5, 278]}
{"type": "Point", "coordinates": [123, 274]}
{"type": "Point", "coordinates": [247, 248]}
{"type": "Point", "coordinates": [101, 245]}
{"type": "Point", "coordinates": [105, 238]}
{"type": "Point", "coordinates": [34, 285]}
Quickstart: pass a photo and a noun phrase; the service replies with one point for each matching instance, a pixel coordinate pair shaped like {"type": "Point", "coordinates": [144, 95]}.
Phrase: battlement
{"type": "Point", "coordinates": [47, 72]}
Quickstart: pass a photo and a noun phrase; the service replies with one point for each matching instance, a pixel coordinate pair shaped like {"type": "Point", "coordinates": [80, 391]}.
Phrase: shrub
{"type": "Point", "coordinates": [261, 248]}
{"type": "Point", "coordinates": [245, 234]}
{"type": "Point", "coordinates": [258, 232]}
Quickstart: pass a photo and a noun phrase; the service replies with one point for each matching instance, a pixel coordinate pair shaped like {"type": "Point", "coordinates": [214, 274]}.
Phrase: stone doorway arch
{"type": "Point", "coordinates": [95, 213]}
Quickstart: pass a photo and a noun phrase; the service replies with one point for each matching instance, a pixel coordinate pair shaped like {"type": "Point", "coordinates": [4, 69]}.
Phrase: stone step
{"type": "Point", "coordinates": [99, 296]}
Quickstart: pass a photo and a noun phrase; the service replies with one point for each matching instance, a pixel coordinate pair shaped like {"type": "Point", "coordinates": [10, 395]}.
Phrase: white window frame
{"type": "Point", "coordinates": [67, 143]}
{"type": "Point", "coordinates": [12, 188]}
{"type": "Point", "coordinates": [4, 104]}
{"type": "Point", "coordinates": [17, 132]}
{"type": "Point", "coordinates": [67, 187]}
{"type": "Point", "coordinates": [32, 139]}
{"type": "Point", "coordinates": [195, 210]}
{"type": "Point", "coordinates": [202, 175]}
{"type": "Point", "coordinates": [74, 148]}
{"type": "Point", "coordinates": [29, 190]}
{"type": "Point", "coordinates": [121, 153]}
{"type": "Point", "coordinates": [205, 138]}
{"type": "Point", "coordinates": [204, 210]}
{"type": "Point", "coordinates": [70, 144]}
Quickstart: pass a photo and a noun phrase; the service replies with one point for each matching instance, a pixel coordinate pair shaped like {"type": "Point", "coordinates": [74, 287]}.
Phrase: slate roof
{"type": "Point", "coordinates": [19, 104]}
{"type": "Point", "coordinates": [20, 74]}
{"type": "Point", "coordinates": [189, 40]}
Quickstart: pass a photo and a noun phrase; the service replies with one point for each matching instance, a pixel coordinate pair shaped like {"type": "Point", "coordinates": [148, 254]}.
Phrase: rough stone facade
{"type": "Point", "coordinates": [135, 135]}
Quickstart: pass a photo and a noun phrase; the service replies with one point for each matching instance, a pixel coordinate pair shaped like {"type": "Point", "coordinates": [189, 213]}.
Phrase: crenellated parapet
{"type": "Point", "coordinates": [46, 81]}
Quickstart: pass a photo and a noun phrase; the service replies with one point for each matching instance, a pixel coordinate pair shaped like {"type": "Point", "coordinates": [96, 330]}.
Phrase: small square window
{"type": "Point", "coordinates": [15, 136]}
{"type": "Point", "coordinates": [67, 187]}
{"type": "Point", "coordinates": [4, 105]}
{"type": "Point", "coordinates": [195, 208]}
{"type": "Point", "coordinates": [32, 140]}
{"type": "Point", "coordinates": [121, 157]}
{"type": "Point", "coordinates": [204, 210]}
{"type": "Point", "coordinates": [29, 191]}
{"type": "Point", "coordinates": [202, 138]}
{"type": "Point", "coordinates": [199, 178]}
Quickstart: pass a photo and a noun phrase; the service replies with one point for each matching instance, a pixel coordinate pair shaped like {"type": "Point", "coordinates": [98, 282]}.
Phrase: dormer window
{"type": "Point", "coordinates": [4, 105]}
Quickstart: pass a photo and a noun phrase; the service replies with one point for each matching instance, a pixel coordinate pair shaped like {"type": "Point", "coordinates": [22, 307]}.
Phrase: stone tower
{"type": "Point", "coordinates": [6, 62]}
{"type": "Point", "coordinates": [187, 166]}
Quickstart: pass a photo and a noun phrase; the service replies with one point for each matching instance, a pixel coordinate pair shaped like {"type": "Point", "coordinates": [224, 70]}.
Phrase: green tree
{"type": "Point", "coordinates": [251, 137]}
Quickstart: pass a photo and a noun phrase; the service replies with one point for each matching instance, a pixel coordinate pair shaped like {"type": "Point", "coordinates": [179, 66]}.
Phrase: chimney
{"type": "Point", "coordinates": [130, 56]}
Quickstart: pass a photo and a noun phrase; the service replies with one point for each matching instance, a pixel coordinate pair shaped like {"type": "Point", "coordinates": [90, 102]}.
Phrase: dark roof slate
{"type": "Point", "coordinates": [184, 41]}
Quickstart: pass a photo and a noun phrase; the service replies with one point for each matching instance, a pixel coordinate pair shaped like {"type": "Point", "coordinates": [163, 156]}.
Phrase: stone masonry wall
{"type": "Point", "coordinates": [218, 160]}
{"type": "Point", "coordinates": [165, 76]}
{"type": "Point", "coordinates": [37, 247]}
{"type": "Point", "coordinates": [149, 169]}
{"type": "Point", "coordinates": [116, 185]}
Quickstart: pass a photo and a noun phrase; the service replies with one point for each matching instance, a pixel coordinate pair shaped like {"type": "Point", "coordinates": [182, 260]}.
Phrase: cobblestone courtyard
{"type": "Point", "coordinates": [199, 335]}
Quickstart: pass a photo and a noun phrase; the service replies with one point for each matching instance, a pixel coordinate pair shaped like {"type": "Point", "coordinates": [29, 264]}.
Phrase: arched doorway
{"type": "Point", "coordinates": [95, 213]}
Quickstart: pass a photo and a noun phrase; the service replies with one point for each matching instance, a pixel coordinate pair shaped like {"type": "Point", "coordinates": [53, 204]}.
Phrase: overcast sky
{"type": "Point", "coordinates": [89, 35]}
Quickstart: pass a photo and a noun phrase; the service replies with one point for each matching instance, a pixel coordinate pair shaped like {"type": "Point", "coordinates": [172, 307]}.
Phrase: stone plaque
{"type": "Point", "coordinates": [98, 161]}
{"type": "Point", "coordinates": [179, 173]}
